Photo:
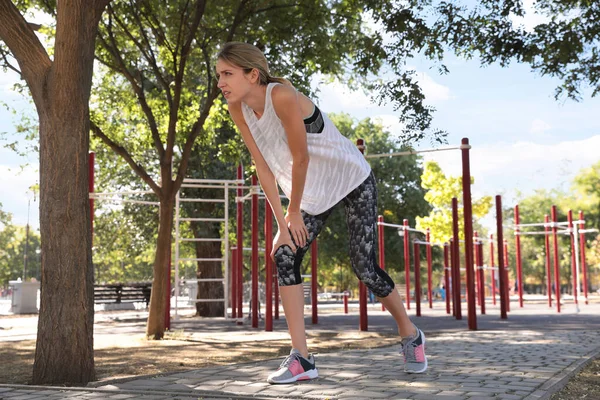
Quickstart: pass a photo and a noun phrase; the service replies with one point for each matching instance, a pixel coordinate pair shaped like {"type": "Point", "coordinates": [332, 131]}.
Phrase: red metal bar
{"type": "Point", "coordinates": [429, 268]}
{"type": "Point", "coordinates": [314, 252]}
{"type": "Point", "coordinates": [362, 289]}
{"type": "Point", "coordinates": [406, 263]}
{"type": "Point", "coordinates": [477, 265]}
{"type": "Point", "coordinates": [519, 261]}
{"type": "Point", "coordinates": [254, 298]}
{"type": "Point", "coordinates": [381, 248]}
{"type": "Point", "coordinates": [481, 273]}
{"type": "Point", "coordinates": [501, 263]}
{"type": "Point", "coordinates": [506, 272]}
{"type": "Point", "coordinates": [548, 266]}
{"type": "Point", "coordinates": [456, 287]}
{"type": "Point", "coordinates": [268, 267]}
{"type": "Point", "coordinates": [240, 246]}
{"type": "Point", "coordinates": [346, 294]}
{"type": "Point", "coordinates": [573, 256]}
{"type": "Point", "coordinates": [582, 252]}
{"type": "Point", "coordinates": [233, 285]}
{"type": "Point", "coordinates": [447, 277]}
{"type": "Point", "coordinates": [468, 228]}
{"type": "Point", "coordinates": [556, 261]}
{"type": "Point", "coordinates": [493, 272]}
{"type": "Point", "coordinates": [453, 276]}
{"type": "Point", "coordinates": [417, 257]}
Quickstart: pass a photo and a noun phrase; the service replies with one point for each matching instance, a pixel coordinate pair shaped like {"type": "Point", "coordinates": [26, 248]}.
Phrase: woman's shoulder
{"type": "Point", "coordinates": [282, 93]}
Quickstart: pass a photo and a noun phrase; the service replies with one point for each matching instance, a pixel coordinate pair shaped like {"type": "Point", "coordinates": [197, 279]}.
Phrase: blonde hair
{"type": "Point", "coordinates": [249, 57]}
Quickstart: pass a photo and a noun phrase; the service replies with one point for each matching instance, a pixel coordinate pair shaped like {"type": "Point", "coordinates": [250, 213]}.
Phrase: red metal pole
{"type": "Point", "coordinates": [556, 262]}
{"type": "Point", "coordinates": [381, 248]}
{"type": "Point", "coordinates": [481, 278]}
{"type": "Point", "coordinates": [417, 257]}
{"type": "Point", "coordinates": [234, 280]}
{"type": "Point", "coordinates": [506, 272]}
{"type": "Point", "coordinates": [582, 252]}
{"type": "Point", "coordinates": [477, 265]}
{"type": "Point", "coordinates": [406, 263]}
{"type": "Point", "coordinates": [468, 228]}
{"type": "Point", "coordinates": [519, 262]}
{"type": "Point", "coordinates": [492, 266]}
{"type": "Point", "coordinates": [254, 298]}
{"type": "Point", "coordinates": [362, 289]}
{"type": "Point", "coordinates": [456, 287]}
{"type": "Point", "coordinates": [346, 294]}
{"type": "Point", "coordinates": [501, 263]}
{"type": "Point", "coordinates": [240, 246]}
{"type": "Point", "coordinates": [314, 251]}
{"type": "Point", "coordinates": [573, 255]}
{"type": "Point", "coordinates": [447, 277]}
{"type": "Point", "coordinates": [453, 276]}
{"type": "Point", "coordinates": [548, 266]}
{"type": "Point", "coordinates": [429, 267]}
{"type": "Point", "coordinates": [268, 267]}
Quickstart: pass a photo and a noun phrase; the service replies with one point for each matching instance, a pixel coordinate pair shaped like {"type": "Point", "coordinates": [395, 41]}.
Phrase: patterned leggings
{"type": "Point", "coordinates": [361, 217]}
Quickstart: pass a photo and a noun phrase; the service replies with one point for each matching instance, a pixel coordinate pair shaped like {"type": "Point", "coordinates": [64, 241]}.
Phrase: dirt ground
{"type": "Point", "coordinates": [585, 385]}
{"type": "Point", "coordinates": [134, 355]}
{"type": "Point", "coordinates": [127, 355]}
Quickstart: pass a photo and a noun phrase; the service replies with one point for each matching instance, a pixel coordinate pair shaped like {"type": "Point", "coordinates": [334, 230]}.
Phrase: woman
{"type": "Point", "coordinates": [295, 145]}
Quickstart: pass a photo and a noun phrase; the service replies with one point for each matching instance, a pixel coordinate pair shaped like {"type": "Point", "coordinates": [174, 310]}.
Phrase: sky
{"type": "Point", "coordinates": [522, 138]}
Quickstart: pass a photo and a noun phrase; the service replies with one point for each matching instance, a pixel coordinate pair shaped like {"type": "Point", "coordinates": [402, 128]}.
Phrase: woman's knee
{"type": "Point", "coordinates": [288, 268]}
{"type": "Point", "coordinates": [378, 282]}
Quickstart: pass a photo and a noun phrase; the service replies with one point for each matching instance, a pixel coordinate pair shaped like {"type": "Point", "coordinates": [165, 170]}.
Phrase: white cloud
{"type": "Point", "coordinates": [15, 193]}
{"type": "Point", "coordinates": [434, 92]}
{"type": "Point", "coordinates": [344, 98]}
{"type": "Point", "coordinates": [505, 168]}
{"type": "Point", "coordinates": [538, 127]}
{"type": "Point", "coordinates": [391, 123]}
{"type": "Point", "coordinates": [531, 18]}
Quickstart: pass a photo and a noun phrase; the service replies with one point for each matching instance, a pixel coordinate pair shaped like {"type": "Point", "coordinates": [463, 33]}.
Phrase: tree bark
{"type": "Point", "coordinates": [155, 328]}
{"type": "Point", "coordinates": [64, 348]}
{"type": "Point", "coordinates": [209, 269]}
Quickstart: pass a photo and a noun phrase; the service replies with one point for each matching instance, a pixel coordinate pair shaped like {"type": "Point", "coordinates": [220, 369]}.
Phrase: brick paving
{"type": "Point", "coordinates": [529, 356]}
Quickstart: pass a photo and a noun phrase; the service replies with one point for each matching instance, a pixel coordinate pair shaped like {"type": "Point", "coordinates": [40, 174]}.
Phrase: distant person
{"type": "Point", "coordinates": [295, 145]}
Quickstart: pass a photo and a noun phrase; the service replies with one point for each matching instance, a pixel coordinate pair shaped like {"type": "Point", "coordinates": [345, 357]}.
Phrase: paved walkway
{"type": "Point", "coordinates": [529, 356]}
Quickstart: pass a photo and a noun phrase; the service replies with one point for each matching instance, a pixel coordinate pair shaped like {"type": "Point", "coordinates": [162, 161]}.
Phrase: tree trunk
{"type": "Point", "coordinates": [209, 269]}
{"type": "Point", "coordinates": [64, 349]}
{"type": "Point", "coordinates": [155, 328]}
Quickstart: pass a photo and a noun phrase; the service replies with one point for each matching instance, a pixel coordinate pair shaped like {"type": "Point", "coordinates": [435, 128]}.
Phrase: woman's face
{"type": "Point", "coordinates": [233, 81]}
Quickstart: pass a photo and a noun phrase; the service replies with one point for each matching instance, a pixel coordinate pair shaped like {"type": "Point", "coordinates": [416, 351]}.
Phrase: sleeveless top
{"type": "Point", "coordinates": [335, 168]}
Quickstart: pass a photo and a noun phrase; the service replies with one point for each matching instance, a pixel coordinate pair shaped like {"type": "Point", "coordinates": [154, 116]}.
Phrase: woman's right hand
{"type": "Point", "coordinates": [282, 238]}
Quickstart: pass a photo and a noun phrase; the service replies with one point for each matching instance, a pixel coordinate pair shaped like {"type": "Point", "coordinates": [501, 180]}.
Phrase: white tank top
{"type": "Point", "coordinates": [336, 166]}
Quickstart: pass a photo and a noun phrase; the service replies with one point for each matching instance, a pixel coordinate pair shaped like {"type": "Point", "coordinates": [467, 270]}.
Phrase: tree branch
{"type": "Point", "coordinates": [8, 64]}
{"type": "Point", "coordinates": [26, 48]}
{"type": "Point", "coordinates": [196, 129]}
{"type": "Point", "coordinates": [145, 50]}
{"type": "Point", "coordinates": [180, 73]}
{"type": "Point", "coordinates": [120, 150]}
{"type": "Point", "coordinates": [138, 89]}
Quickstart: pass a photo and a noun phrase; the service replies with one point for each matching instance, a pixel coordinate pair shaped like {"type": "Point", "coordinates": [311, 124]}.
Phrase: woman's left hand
{"type": "Point", "coordinates": [296, 226]}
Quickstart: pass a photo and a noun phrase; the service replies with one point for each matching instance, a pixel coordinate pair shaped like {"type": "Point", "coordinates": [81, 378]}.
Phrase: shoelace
{"type": "Point", "coordinates": [408, 350]}
{"type": "Point", "coordinates": [289, 359]}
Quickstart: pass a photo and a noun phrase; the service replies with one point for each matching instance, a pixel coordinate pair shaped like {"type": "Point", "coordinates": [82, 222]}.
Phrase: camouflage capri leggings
{"type": "Point", "coordinates": [361, 217]}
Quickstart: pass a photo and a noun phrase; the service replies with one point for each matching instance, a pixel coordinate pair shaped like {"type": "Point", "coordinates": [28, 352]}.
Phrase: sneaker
{"type": "Point", "coordinates": [413, 350]}
{"type": "Point", "coordinates": [295, 368]}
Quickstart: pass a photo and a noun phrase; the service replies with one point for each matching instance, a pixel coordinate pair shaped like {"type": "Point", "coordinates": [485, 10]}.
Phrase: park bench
{"type": "Point", "coordinates": [123, 292]}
